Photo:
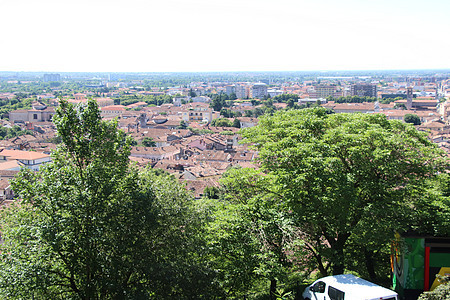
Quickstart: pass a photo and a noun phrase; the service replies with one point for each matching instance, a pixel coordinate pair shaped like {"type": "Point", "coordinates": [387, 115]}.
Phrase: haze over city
{"type": "Point", "coordinates": [232, 35]}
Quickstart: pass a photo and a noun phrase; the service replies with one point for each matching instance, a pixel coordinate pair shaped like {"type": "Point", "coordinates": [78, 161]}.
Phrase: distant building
{"type": "Point", "coordinates": [273, 92]}
{"type": "Point", "coordinates": [199, 112]}
{"type": "Point", "coordinates": [409, 98]}
{"type": "Point", "coordinates": [112, 111]}
{"type": "Point", "coordinates": [242, 91]}
{"type": "Point", "coordinates": [38, 113]}
{"type": "Point", "coordinates": [202, 99]}
{"type": "Point", "coordinates": [29, 159]}
{"type": "Point", "coordinates": [230, 89]}
{"type": "Point", "coordinates": [79, 96]}
{"type": "Point", "coordinates": [259, 90]}
{"type": "Point", "coordinates": [178, 101]}
{"type": "Point", "coordinates": [364, 90]}
{"type": "Point", "coordinates": [323, 91]}
{"type": "Point", "coordinates": [52, 77]}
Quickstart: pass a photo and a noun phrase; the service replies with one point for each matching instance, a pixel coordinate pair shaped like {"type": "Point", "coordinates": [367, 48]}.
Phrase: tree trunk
{"type": "Point", "coordinates": [338, 263]}
{"type": "Point", "coordinates": [338, 268]}
{"type": "Point", "coordinates": [368, 259]}
{"type": "Point", "coordinates": [273, 289]}
{"type": "Point", "coordinates": [337, 245]}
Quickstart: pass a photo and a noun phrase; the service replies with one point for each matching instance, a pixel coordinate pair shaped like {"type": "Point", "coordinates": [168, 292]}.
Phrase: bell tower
{"type": "Point", "coordinates": [409, 97]}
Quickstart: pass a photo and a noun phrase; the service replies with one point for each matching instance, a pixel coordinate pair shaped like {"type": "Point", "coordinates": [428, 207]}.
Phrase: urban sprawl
{"type": "Point", "coordinates": [189, 128]}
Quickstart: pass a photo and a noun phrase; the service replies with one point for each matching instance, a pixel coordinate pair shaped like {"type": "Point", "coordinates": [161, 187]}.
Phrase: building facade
{"type": "Point", "coordinates": [363, 90]}
{"type": "Point", "coordinates": [259, 90]}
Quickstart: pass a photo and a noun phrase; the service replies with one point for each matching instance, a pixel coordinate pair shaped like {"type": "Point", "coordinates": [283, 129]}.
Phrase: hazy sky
{"type": "Point", "coordinates": [223, 35]}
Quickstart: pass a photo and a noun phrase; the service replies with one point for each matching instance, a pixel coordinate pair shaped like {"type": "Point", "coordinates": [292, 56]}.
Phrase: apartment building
{"type": "Point", "coordinates": [259, 90]}
{"type": "Point", "coordinates": [364, 90]}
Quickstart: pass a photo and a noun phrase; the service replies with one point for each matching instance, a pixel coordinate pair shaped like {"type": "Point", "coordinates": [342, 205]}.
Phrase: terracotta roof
{"type": "Point", "coordinates": [25, 155]}
{"type": "Point", "coordinates": [4, 184]}
{"type": "Point", "coordinates": [8, 173]}
{"type": "Point", "coordinates": [113, 107]}
{"type": "Point", "coordinates": [198, 186]}
{"type": "Point", "coordinates": [433, 124]}
{"type": "Point", "coordinates": [8, 165]}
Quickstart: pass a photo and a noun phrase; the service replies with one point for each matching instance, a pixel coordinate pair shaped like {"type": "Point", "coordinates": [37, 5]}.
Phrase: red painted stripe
{"type": "Point", "coordinates": [426, 282]}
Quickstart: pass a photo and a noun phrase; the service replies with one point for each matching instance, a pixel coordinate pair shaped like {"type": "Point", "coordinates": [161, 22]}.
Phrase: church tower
{"type": "Point", "coordinates": [409, 97]}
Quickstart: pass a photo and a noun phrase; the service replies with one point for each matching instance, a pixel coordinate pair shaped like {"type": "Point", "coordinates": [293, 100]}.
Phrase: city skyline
{"type": "Point", "coordinates": [223, 36]}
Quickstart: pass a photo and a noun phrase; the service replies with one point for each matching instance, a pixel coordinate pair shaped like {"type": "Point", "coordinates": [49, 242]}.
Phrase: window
{"type": "Point", "coordinates": [35, 116]}
{"type": "Point", "coordinates": [319, 287]}
{"type": "Point", "coordinates": [335, 294]}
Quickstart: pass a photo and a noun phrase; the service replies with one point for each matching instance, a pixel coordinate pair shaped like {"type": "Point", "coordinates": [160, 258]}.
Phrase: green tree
{"type": "Point", "coordinates": [441, 292]}
{"type": "Point", "coordinates": [412, 118]}
{"type": "Point", "coordinates": [218, 102]}
{"type": "Point", "coordinates": [236, 123]}
{"type": "Point", "coordinates": [183, 125]}
{"type": "Point", "coordinates": [252, 239]}
{"type": "Point", "coordinates": [226, 113]}
{"type": "Point", "coordinates": [221, 122]}
{"type": "Point", "coordinates": [290, 103]}
{"type": "Point", "coordinates": [148, 142]}
{"type": "Point", "coordinates": [211, 192]}
{"type": "Point", "coordinates": [90, 226]}
{"type": "Point", "coordinates": [400, 106]}
{"type": "Point", "coordinates": [340, 172]}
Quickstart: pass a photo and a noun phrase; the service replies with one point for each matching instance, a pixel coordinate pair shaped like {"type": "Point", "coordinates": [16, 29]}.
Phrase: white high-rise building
{"type": "Point", "coordinates": [259, 90]}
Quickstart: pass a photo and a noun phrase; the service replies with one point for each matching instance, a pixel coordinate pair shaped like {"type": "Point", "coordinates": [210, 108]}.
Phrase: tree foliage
{"type": "Point", "coordinates": [91, 226]}
{"type": "Point", "coordinates": [7, 133]}
{"type": "Point", "coordinates": [441, 292]}
{"type": "Point", "coordinates": [148, 142]}
{"type": "Point", "coordinates": [222, 122]}
{"type": "Point", "coordinates": [412, 118]}
{"type": "Point", "coordinates": [339, 173]}
{"type": "Point", "coordinates": [286, 98]}
{"type": "Point", "coordinates": [252, 239]}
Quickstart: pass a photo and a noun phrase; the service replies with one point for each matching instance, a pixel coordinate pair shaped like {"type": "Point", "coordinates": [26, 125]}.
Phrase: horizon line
{"type": "Point", "coordinates": [240, 71]}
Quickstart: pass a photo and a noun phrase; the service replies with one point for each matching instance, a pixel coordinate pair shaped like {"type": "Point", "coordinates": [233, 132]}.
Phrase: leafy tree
{"type": "Point", "coordinates": [412, 118]}
{"type": "Point", "coordinates": [211, 192]}
{"type": "Point", "coordinates": [90, 226]}
{"type": "Point", "coordinates": [7, 133]}
{"type": "Point", "coordinates": [441, 292]}
{"type": "Point", "coordinates": [200, 131]}
{"type": "Point", "coordinates": [399, 106]}
{"type": "Point", "coordinates": [290, 103]}
{"type": "Point", "coordinates": [183, 125]}
{"type": "Point", "coordinates": [286, 98]}
{"type": "Point", "coordinates": [148, 142]}
{"type": "Point", "coordinates": [340, 172]}
{"type": "Point", "coordinates": [251, 238]}
{"type": "Point", "coordinates": [226, 113]}
{"type": "Point", "coordinates": [255, 102]}
{"type": "Point", "coordinates": [221, 122]}
{"type": "Point", "coordinates": [218, 101]}
{"type": "Point", "coordinates": [236, 123]}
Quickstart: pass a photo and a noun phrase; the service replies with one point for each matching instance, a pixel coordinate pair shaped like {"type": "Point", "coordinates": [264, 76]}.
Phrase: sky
{"type": "Point", "coordinates": [223, 35]}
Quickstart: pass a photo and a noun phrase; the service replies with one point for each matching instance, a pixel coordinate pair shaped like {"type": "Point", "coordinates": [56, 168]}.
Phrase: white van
{"type": "Point", "coordinates": [347, 287]}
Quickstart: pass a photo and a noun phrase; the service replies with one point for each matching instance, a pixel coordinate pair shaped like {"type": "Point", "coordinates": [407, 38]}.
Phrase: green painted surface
{"type": "Point", "coordinates": [409, 269]}
{"type": "Point", "coordinates": [439, 260]}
